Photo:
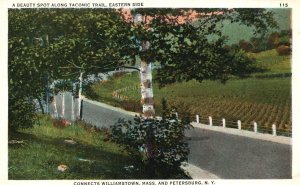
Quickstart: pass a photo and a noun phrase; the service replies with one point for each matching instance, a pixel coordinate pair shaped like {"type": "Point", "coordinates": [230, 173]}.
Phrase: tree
{"type": "Point", "coordinates": [96, 43]}
{"type": "Point", "coordinates": [273, 40]}
{"type": "Point", "coordinates": [26, 68]}
{"type": "Point", "coordinates": [189, 43]}
{"type": "Point", "coordinates": [54, 44]}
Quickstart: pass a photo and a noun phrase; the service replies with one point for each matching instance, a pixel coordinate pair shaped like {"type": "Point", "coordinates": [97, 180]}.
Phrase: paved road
{"type": "Point", "coordinates": [93, 112]}
{"type": "Point", "coordinates": [225, 155]}
{"type": "Point", "coordinates": [235, 157]}
{"type": "Point", "coordinates": [101, 115]}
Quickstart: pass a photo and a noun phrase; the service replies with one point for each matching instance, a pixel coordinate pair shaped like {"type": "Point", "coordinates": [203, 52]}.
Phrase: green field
{"type": "Point", "coordinates": [42, 149]}
{"type": "Point", "coordinates": [264, 100]}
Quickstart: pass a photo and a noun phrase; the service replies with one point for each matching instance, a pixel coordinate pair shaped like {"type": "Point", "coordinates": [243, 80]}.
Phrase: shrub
{"type": "Point", "coordinates": [283, 50]}
{"type": "Point", "coordinates": [285, 37]}
{"type": "Point", "coordinates": [273, 40]}
{"type": "Point", "coordinates": [21, 113]}
{"type": "Point", "coordinates": [284, 40]}
{"type": "Point", "coordinates": [259, 44]}
{"type": "Point", "coordinates": [246, 46]}
{"type": "Point", "coordinates": [159, 143]}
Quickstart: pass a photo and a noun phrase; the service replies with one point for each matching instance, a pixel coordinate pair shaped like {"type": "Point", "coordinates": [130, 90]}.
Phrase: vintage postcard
{"type": "Point", "coordinates": [150, 92]}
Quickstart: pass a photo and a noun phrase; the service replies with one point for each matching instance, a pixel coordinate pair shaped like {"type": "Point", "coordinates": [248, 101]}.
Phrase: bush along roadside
{"type": "Point", "coordinates": [158, 144]}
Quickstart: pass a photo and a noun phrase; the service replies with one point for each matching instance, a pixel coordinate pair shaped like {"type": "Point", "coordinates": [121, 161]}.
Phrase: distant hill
{"type": "Point", "coordinates": [236, 32]}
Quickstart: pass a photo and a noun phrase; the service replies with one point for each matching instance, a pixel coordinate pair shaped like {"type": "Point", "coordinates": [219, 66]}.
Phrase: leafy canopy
{"type": "Point", "coordinates": [189, 43]}
{"type": "Point", "coordinates": [58, 44]}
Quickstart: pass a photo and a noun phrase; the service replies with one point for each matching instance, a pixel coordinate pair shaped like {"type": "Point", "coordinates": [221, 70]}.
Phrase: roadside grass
{"type": "Point", "coordinates": [264, 100]}
{"type": "Point", "coordinates": [92, 157]}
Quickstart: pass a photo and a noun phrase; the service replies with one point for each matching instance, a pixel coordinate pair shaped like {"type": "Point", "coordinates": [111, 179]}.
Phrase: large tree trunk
{"type": "Point", "coordinates": [146, 89]}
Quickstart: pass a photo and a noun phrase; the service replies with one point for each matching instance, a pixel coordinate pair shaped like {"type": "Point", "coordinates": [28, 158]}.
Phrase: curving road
{"type": "Point", "coordinates": [93, 112]}
{"type": "Point", "coordinates": [228, 156]}
{"type": "Point", "coordinates": [103, 115]}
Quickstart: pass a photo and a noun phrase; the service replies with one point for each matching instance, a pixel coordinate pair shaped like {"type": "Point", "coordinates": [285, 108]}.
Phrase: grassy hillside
{"type": "Point", "coordinates": [271, 61]}
{"type": "Point", "coordinates": [36, 153]}
{"type": "Point", "coordinates": [265, 100]}
{"type": "Point", "coordinates": [236, 32]}
{"type": "Point", "coordinates": [43, 149]}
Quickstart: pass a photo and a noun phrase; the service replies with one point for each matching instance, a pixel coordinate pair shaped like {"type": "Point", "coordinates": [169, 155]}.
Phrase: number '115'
{"type": "Point", "coordinates": [284, 5]}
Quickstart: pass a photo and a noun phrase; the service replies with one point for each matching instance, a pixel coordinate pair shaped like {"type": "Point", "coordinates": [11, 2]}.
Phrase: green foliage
{"type": "Point", "coordinates": [159, 143]}
{"type": "Point", "coordinates": [261, 19]}
{"type": "Point", "coordinates": [273, 40]}
{"type": "Point", "coordinates": [205, 61]}
{"type": "Point", "coordinates": [57, 44]}
{"type": "Point", "coordinates": [283, 42]}
{"type": "Point", "coordinates": [267, 42]}
{"type": "Point", "coordinates": [100, 39]}
{"type": "Point", "coordinates": [285, 37]}
{"type": "Point", "coordinates": [21, 113]}
{"type": "Point", "coordinates": [185, 51]}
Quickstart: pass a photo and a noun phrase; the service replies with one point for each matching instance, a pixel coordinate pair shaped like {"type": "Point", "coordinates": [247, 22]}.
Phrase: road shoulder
{"type": "Point", "coordinates": [197, 173]}
{"type": "Point", "coordinates": [245, 133]}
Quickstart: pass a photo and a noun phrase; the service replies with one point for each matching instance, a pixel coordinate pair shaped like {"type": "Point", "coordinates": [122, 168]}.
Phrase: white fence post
{"type": "Point", "coordinates": [63, 105]}
{"type": "Point", "coordinates": [239, 124]}
{"type": "Point", "coordinates": [197, 119]}
{"type": "Point", "coordinates": [255, 127]}
{"type": "Point", "coordinates": [224, 122]}
{"type": "Point", "coordinates": [210, 121]}
{"type": "Point", "coordinates": [72, 108]}
{"type": "Point", "coordinates": [55, 108]}
{"type": "Point", "coordinates": [274, 130]}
